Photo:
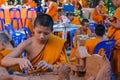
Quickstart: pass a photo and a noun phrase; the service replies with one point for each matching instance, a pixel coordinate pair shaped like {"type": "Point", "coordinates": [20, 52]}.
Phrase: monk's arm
{"type": "Point", "coordinates": [118, 23]}
{"type": "Point", "coordinates": [101, 14]}
{"type": "Point", "coordinates": [112, 24]}
{"type": "Point", "coordinates": [98, 10]}
{"type": "Point", "coordinates": [12, 58]}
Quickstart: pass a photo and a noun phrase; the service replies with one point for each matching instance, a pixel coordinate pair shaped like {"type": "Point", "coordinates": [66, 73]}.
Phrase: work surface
{"type": "Point", "coordinates": [49, 76]}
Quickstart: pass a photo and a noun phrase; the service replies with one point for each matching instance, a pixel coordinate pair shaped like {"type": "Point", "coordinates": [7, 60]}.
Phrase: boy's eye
{"type": "Point", "coordinates": [46, 33]}
{"type": "Point", "coordinates": [39, 32]}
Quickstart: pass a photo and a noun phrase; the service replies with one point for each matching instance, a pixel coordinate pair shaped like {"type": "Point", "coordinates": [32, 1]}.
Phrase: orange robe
{"type": "Point", "coordinates": [113, 33]}
{"type": "Point", "coordinates": [53, 53]}
{"type": "Point", "coordinates": [53, 11]}
{"type": "Point", "coordinates": [3, 2]}
{"type": "Point", "coordinates": [31, 3]}
{"type": "Point", "coordinates": [84, 4]}
{"type": "Point", "coordinates": [98, 18]}
{"type": "Point", "coordinates": [25, 1]}
{"type": "Point", "coordinates": [91, 44]}
{"type": "Point", "coordinates": [76, 21]}
{"type": "Point", "coordinates": [73, 50]}
{"type": "Point", "coordinates": [4, 53]}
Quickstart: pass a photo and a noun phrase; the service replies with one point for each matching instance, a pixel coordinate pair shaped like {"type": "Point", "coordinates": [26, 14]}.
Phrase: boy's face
{"type": "Point", "coordinates": [70, 17]}
{"type": "Point", "coordinates": [42, 34]}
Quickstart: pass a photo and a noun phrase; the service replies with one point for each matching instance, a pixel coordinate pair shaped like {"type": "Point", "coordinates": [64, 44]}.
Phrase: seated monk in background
{"type": "Point", "coordinates": [84, 29]}
{"type": "Point", "coordinates": [91, 44]}
{"type": "Point", "coordinates": [53, 10]}
{"type": "Point", "coordinates": [69, 21]}
{"type": "Point", "coordinates": [42, 53]}
{"type": "Point", "coordinates": [73, 19]}
{"type": "Point", "coordinates": [99, 13]}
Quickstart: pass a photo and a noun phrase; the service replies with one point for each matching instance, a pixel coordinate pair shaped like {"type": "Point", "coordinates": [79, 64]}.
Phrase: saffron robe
{"type": "Point", "coordinates": [98, 18]}
{"type": "Point", "coordinates": [91, 44]}
{"type": "Point", "coordinates": [76, 21]}
{"type": "Point", "coordinates": [84, 4]}
{"type": "Point", "coordinates": [3, 53]}
{"type": "Point", "coordinates": [3, 2]}
{"type": "Point", "coordinates": [53, 11]}
{"type": "Point", "coordinates": [53, 53]}
{"type": "Point", "coordinates": [113, 33]}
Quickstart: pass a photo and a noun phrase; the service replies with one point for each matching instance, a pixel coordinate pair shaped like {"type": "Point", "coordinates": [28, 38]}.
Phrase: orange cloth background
{"type": "Point", "coordinates": [3, 2]}
{"type": "Point", "coordinates": [31, 14]}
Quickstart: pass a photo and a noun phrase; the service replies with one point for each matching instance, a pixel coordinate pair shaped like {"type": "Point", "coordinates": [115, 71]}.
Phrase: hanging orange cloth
{"type": "Point", "coordinates": [32, 4]}
{"type": "Point", "coordinates": [2, 2]}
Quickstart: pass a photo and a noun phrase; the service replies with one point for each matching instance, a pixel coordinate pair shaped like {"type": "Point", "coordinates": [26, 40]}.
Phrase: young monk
{"type": "Point", "coordinates": [113, 33]}
{"type": "Point", "coordinates": [99, 14]}
{"type": "Point", "coordinates": [91, 44]}
{"type": "Point", "coordinates": [84, 29]}
{"type": "Point", "coordinates": [73, 19]}
{"type": "Point", "coordinates": [44, 50]}
{"type": "Point", "coordinates": [53, 10]}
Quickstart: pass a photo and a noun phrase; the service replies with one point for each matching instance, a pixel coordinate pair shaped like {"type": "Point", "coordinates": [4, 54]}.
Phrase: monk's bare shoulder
{"type": "Point", "coordinates": [27, 43]}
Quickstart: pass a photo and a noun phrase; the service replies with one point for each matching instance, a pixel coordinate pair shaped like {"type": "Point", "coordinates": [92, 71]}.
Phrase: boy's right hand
{"type": "Point", "coordinates": [25, 64]}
